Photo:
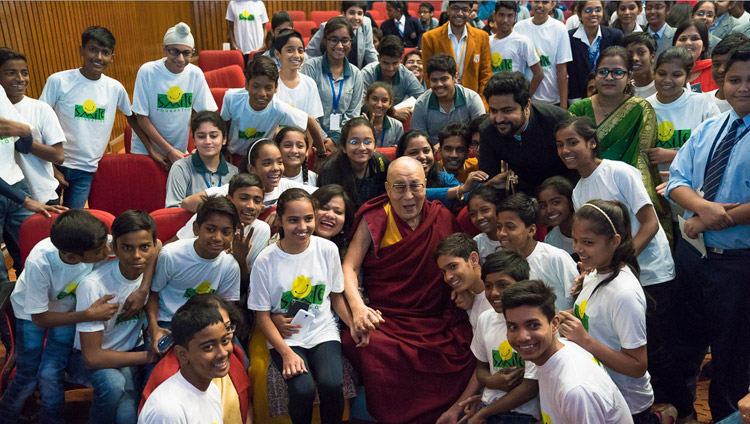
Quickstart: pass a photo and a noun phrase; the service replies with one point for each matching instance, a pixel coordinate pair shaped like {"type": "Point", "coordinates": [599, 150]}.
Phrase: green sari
{"type": "Point", "coordinates": [624, 136]}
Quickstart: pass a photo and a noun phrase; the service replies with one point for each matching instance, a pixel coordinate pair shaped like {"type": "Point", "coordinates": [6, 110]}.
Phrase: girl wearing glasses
{"type": "Point", "coordinates": [625, 125]}
{"type": "Point", "coordinates": [693, 36]}
{"type": "Point", "coordinates": [586, 43]}
{"type": "Point", "coordinates": [356, 166]}
{"type": "Point", "coordinates": [339, 82]}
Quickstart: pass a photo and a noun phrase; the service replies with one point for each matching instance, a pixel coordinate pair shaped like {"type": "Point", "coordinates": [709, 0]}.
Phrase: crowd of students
{"type": "Point", "coordinates": [599, 161]}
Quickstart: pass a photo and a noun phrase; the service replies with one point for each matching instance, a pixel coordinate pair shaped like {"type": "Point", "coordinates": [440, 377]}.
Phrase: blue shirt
{"type": "Point", "coordinates": [447, 181]}
{"type": "Point", "coordinates": [689, 167]}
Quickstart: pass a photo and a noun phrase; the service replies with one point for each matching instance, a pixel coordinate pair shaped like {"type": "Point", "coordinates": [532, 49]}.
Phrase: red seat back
{"type": "Point", "coordinates": [125, 182]}
{"type": "Point", "coordinates": [230, 76]}
{"type": "Point", "coordinates": [389, 152]}
{"type": "Point", "coordinates": [320, 16]}
{"type": "Point", "coordinates": [465, 222]}
{"type": "Point", "coordinates": [169, 221]}
{"type": "Point", "coordinates": [377, 14]}
{"type": "Point", "coordinates": [218, 94]}
{"type": "Point", "coordinates": [305, 27]}
{"type": "Point", "coordinates": [379, 6]}
{"type": "Point", "coordinates": [297, 15]}
{"type": "Point", "coordinates": [209, 60]}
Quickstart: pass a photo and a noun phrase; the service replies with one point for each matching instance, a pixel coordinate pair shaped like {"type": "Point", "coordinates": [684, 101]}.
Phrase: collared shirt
{"type": "Point", "coordinates": [689, 168]}
{"type": "Point", "coordinates": [660, 32]}
{"type": "Point", "coordinates": [404, 83]}
{"type": "Point", "coordinates": [459, 49]}
{"type": "Point", "coordinates": [520, 135]}
{"type": "Point", "coordinates": [593, 47]}
{"type": "Point", "coordinates": [401, 24]}
{"type": "Point", "coordinates": [390, 134]}
{"type": "Point", "coordinates": [429, 116]}
{"type": "Point", "coordinates": [717, 21]}
{"type": "Point", "coordinates": [189, 176]}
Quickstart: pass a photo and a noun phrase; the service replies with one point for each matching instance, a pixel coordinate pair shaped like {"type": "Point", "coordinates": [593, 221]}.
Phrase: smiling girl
{"type": "Point", "coordinates": [627, 16]}
{"type": "Point", "coordinates": [294, 146]}
{"type": "Point", "coordinates": [379, 102]}
{"type": "Point", "coordinates": [334, 215]}
{"type": "Point", "coordinates": [483, 213]}
{"type": "Point", "coordinates": [693, 36]}
{"type": "Point", "coordinates": [555, 196]}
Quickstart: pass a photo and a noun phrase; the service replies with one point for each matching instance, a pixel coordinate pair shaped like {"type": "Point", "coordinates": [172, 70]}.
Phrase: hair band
{"type": "Point", "coordinates": [250, 150]}
{"type": "Point", "coordinates": [603, 213]}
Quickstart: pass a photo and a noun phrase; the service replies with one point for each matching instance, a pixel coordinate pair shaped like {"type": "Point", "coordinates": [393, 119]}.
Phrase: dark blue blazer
{"type": "Point", "coordinates": [412, 33]}
{"type": "Point", "coordinates": [581, 65]}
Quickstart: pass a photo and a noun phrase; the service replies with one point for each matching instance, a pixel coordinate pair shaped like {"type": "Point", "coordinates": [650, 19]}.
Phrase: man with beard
{"type": "Point", "coordinates": [521, 133]}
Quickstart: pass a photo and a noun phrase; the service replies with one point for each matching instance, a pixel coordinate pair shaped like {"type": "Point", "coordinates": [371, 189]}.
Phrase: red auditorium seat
{"type": "Point", "coordinates": [320, 16]}
{"type": "Point", "coordinates": [128, 134]}
{"type": "Point", "coordinates": [218, 94]}
{"type": "Point", "coordinates": [230, 76]}
{"type": "Point", "coordinates": [377, 14]}
{"type": "Point", "coordinates": [305, 27]}
{"type": "Point", "coordinates": [297, 15]}
{"type": "Point", "coordinates": [389, 152]}
{"type": "Point", "coordinates": [380, 7]}
{"type": "Point", "coordinates": [251, 55]}
{"type": "Point", "coordinates": [125, 182]}
{"type": "Point", "coordinates": [209, 60]}
{"type": "Point", "coordinates": [169, 221]}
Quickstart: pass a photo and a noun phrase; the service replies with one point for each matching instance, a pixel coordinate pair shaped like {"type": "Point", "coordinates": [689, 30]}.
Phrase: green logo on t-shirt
{"type": "Point", "coordinates": [174, 99]}
{"type": "Point", "coordinates": [544, 61]}
{"type": "Point", "coordinates": [506, 357]}
{"type": "Point", "coordinates": [303, 289]}
{"type": "Point", "coordinates": [669, 138]}
{"type": "Point", "coordinates": [247, 16]}
{"type": "Point", "coordinates": [249, 133]}
{"type": "Point", "coordinates": [203, 288]}
{"type": "Point", "coordinates": [69, 290]}
{"type": "Point", "coordinates": [120, 321]}
{"type": "Point", "coordinates": [88, 110]}
{"type": "Point", "coordinates": [580, 312]}
{"type": "Point", "coordinates": [499, 64]}
{"type": "Point", "coordinates": [6, 140]}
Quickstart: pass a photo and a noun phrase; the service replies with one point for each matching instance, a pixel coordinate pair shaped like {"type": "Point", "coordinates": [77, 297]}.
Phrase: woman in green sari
{"type": "Point", "coordinates": [626, 125]}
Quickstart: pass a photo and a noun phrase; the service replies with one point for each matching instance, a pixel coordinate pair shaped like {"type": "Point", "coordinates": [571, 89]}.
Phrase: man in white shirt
{"type": "Point", "coordinates": [246, 25]}
{"type": "Point", "coordinates": [512, 51]}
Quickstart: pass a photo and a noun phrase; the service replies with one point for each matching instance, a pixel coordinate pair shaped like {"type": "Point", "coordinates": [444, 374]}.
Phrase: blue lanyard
{"type": "Point", "coordinates": [208, 184]}
{"type": "Point", "coordinates": [336, 97]}
{"type": "Point", "coordinates": [382, 135]}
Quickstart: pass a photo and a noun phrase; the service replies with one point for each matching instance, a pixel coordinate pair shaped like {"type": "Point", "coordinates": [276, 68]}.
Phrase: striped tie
{"type": "Point", "coordinates": [718, 163]}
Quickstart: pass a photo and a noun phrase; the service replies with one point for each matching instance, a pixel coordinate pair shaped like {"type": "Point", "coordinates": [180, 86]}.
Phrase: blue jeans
{"type": "Point", "coordinates": [39, 363]}
{"type": "Point", "coordinates": [508, 417]}
{"type": "Point", "coordinates": [323, 363]}
{"type": "Point", "coordinates": [12, 216]}
{"type": "Point", "coordinates": [77, 192]}
{"type": "Point", "coordinates": [117, 392]}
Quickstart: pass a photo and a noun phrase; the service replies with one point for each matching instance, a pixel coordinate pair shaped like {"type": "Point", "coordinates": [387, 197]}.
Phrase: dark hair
{"type": "Point", "coordinates": [385, 86]}
{"type": "Point", "coordinates": [561, 185]}
{"type": "Point", "coordinates": [195, 315]}
{"type": "Point", "coordinates": [583, 126]}
{"type": "Point", "coordinates": [477, 122]}
{"type": "Point", "coordinates": [739, 54]}
{"type": "Point", "coordinates": [101, 35]}
{"type": "Point", "coordinates": [616, 51]}
{"type": "Point", "coordinates": [131, 221]}
{"type": "Point", "coordinates": [377, 33]}
{"type": "Point", "coordinates": [640, 38]}
{"type": "Point", "coordinates": [679, 14]}
{"type": "Point", "coordinates": [441, 62]}
{"type": "Point", "coordinates": [506, 5]}
{"type": "Point", "coordinates": [217, 205]}
{"type": "Point", "coordinates": [428, 5]}
{"type": "Point", "coordinates": [78, 231]}
{"type": "Point", "coordinates": [335, 24]}
{"type": "Point", "coordinates": [323, 195]}
{"type": "Point", "coordinates": [455, 129]}
{"type": "Point", "coordinates": [617, 24]}
{"type": "Point", "coordinates": [459, 245]}
{"type": "Point", "coordinates": [280, 137]}
{"type": "Point", "coordinates": [432, 176]}
{"type": "Point", "coordinates": [280, 41]}
{"type": "Point", "coordinates": [702, 31]}
{"type": "Point", "coordinates": [513, 83]}
{"type": "Point", "coordinates": [291, 195]}
{"type": "Point", "coordinates": [677, 54]}
{"type": "Point", "coordinates": [391, 46]}
{"type": "Point", "coordinates": [210, 117]}
{"type": "Point", "coordinates": [338, 163]}
{"type": "Point", "coordinates": [729, 43]}
{"type": "Point", "coordinates": [415, 52]}
{"type": "Point", "coordinates": [402, 6]}
{"type": "Point", "coordinates": [602, 218]}
{"type": "Point", "coordinates": [7, 54]}
{"type": "Point", "coordinates": [346, 5]}
{"type": "Point", "coordinates": [485, 192]}
{"type": "Point", "coordinates": [262, 66]}
{"type": "Point", "coordinates": [507, 261]}
{"type": "Point", "coordinates": [256, 147]}
{"type": "Point", "coordinates": [698, 4]}
{"type": "Point", "coordinates": [280, 18]}
{"type": "Point", "coordinates": [523, 205]}
{"type": "Point", "coordinates": [532, 293]}
{"type": "Point", "coordinates": [243, 180]}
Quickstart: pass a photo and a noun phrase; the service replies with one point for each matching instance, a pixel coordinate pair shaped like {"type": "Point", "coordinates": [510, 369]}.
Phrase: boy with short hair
{"type": "Point", "coordinates": [44, 301]}
{"type": "Point", "coordinates": [573, 387]}
{"type": "Point", "coordinates": [426, 16]}
{"type": "Point", "coordinates": [718, 56]}
{"type": "Point", "coordinates": [109, 354]}
{"type": "Point", "coordinates": [457, 256]}
{"type": "Point", "coordinates": [474, 126]}
{"type": "Point", "coordinates": [203, 346]}
{"type": "Point", "coordinates": [246, 25]}
{"type": "Point", "coordinates": [455, 141]}
{"type": "Point", "coordinates": [252, 113]}
{"type": "Point", "coordinates": [445, 101]}
{"type": "Point", "coordinates": [658, 28]}
{"type": "Point", "coordinates": [166, 92]}
{"type": "Point", "coordinates": [512, 51]}
{"type": "Point", "coordinates": [643, 49]}
{"type": "Point", "coordinates": [517, 216]}
{"type": "Point", "coordinates": [194, 266]}
{"type": "Point", "coordinates": [86, 102]}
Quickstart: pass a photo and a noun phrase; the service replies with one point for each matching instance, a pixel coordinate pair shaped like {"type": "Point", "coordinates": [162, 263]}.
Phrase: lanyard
{"type": "Point", "coordinates": [382, 134]}
{"type": "Point", "coordinates": [336, 97]}
{"type": "Point", "coordinates": [460, 59]}
{"type": "Point", "coordinates": [208, 184]}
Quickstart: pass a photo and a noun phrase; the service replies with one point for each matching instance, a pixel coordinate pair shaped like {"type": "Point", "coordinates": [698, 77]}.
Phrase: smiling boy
{"type": "Point", "coordinates": [455, 141]}
{"type": "Point", "coordinates": [363, 50]}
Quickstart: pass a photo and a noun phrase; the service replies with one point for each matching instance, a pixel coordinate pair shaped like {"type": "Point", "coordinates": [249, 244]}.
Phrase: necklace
{"type": "Point", "coordinates": [284, 250]}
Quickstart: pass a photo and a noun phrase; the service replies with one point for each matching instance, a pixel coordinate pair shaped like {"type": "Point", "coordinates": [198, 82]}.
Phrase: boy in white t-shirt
{"type": "Point", "coordinates": [109, 355]}
{"type": "Point", "coordinates": [517, 216]}
{"type": "Point", "coordinates": [44, 304]}
{"type": "Point", "coordinates": [203, 346]}
{"type": "Point", "coordinates": [253, 113]}
{"type": "Point", "coordinates": [86, 102]}
{"type": "Point", "coordinates": [553, 47]}
{"type": "Point", "coordinates": [195, 266]}
{"type": "Point", "coordinates": [512, 51]}
{"type": "Point", "coordinates": [37, 164]}
{"type": "Point", "coordinates": [166, 92]}
{"type": "Point", "coordinates": [246, 25]}
{"type": "Point", "coordinates": [573, 387]}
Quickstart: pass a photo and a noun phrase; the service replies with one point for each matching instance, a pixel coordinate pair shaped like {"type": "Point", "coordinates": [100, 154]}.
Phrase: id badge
{"type": "Point", "coordinates": [335, 124]}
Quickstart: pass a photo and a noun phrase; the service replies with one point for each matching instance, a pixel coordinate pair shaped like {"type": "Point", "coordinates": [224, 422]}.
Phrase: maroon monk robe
{"type": "Point", "coordinates": [418, 361]}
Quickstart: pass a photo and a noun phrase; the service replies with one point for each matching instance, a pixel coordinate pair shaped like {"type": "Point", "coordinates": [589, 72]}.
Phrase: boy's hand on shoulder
{"type": "Point", "coordinates": [101, 310]}
{"type": "Point", "coordinates": [505, 379]}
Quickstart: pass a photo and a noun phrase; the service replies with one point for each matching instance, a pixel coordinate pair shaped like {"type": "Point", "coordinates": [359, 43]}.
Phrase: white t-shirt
{"type": "Point", "coordinates": [261, 234]}
{"type": "Point", "coordinates": [646, 91]}
{"type": "Point", "coordinates": [312, 178]}
{"type": "Point", "coordinates": [575, 389]}
{"type": "Point", "coordinates": [553, 48]}
{"type": "Point", "coordinates": [615, 180]}
{"type": "Point", "coordinates": [181, 274]}
{"type": "Point", "coordinates": [480, 305]}
{"type": "Point", "coordinates": [512, 53]}
{"type": "Point", "coordinates": [249, 18]}
{"type": "Point", "coordinates": [304, 96]}
{"type": "Point", "coordinates": [723, 105]}
{"type": "Point", "coordinates": [248, 125]}
{"type": "Point", "coordinates": [615, 315]}
{"type": "Point", "coordinates": [169, 100]}
{"type": "Point", "coordinates": [490, 345]}
{"type": "Point", "coordinates": [177, 401]}
{"type": "Point", "coordinates": [269, 198]}
{"type": "Point", "coordinates": [104, 280]}
{"type": "Point", "coordinates": [10, 172]}
{"type": "Point", "coordinates": [47, 283]}
{"type": "Point", "coordinates": [86, 110]}
{"type": "Point", "coordinates": [279, 277]}
{"type": "Point", "coordinates": [39, 172]}
{"type": "Point", "coordinates": [556, 269]}
{"type": "Point", "coordinates": [486, 246]}
{"type": "Point", "coordinates": [556, 238]}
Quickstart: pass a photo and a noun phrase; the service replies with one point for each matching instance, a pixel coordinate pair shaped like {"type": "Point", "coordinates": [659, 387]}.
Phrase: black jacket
{"type": "Point", "coordinates": [412, 33]}
{"type": "Point", "coordinates": [581, 65]}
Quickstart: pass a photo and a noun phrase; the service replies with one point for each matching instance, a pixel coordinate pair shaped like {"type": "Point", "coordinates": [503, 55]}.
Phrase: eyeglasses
{"type": "Point", "coordinates": [703, 13]}
{"type": "Point", "coordinates": [617, 74]}
{"type": "Point", "coordinates": [459, 9]}
{"type": "Point", "coordinates": [344, 41]}
{"type": "Point", "coordinates": [655, 6]}
{"type": "Point", "coordinates": [176, 52]}
{"type": "Point", "coordinates": [400, 188]}
{"type": "Point", "coordinates": [593, 9]}
{"type": "Point", "coordinates": [355, 142]}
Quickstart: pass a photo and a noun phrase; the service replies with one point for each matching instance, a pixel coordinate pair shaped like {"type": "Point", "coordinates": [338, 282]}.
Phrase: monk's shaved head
{"type": "Point", "coordinates": [406, 189]}
{"type": "Point", "coordinates": [405, 166]}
